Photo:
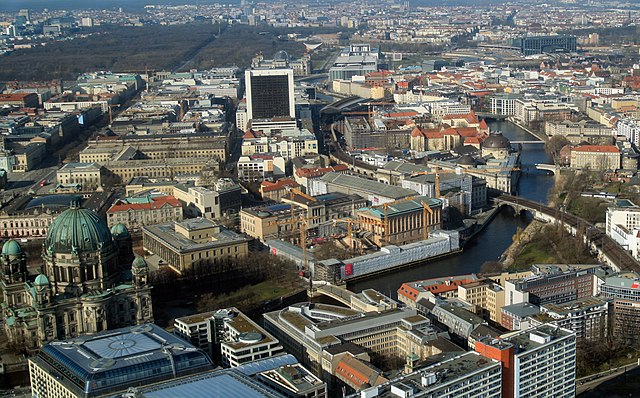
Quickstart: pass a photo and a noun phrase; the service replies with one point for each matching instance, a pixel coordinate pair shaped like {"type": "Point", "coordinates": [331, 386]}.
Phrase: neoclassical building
{"type": "Point", "coordinates": [89, 282]}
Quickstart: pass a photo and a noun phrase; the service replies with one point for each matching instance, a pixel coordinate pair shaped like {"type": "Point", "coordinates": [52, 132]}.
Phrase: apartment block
{"type": "Point", "coordinates": [228, 336]}
{"type": "Point", "coordinates": [538, 362]}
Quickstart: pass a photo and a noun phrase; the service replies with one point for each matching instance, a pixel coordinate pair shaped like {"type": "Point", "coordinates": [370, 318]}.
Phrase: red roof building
{"type": "Point", "coordinates": [137, 212]}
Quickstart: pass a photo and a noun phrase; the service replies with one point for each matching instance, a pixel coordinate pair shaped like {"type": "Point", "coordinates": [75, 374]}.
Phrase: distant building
{"type": "Point", "coordinates": [88, 175]}
{"type": "Point", "coordinates": [595, 157]}
{"type": "Point", "coordinates": [21, 100]}
{"type": "Point", "coordinates": [106, 363]}
{"type": "Point", "coordinates": [221, 198]}
{"type": "Point", "coordinates": [514, 316]}
{"type": "Point", "coordinates": [401, 222]}
{"type": "Point", "coordinates": [276, 190]}
{"type": "Point", "coordinates": [228, 336]}
{"type": "Point", "coordinates": [624, 291]}
{"type": "Point", "coordinates": [553, 284]}
{"type": "Point", "coordinates": [270, 93]}
{"type": "Point", "coordinates": [531, 45]}
{"type": "Point", "coordinates": [623, 225]}
{"type": "Point", "coordinates": [376, 193]}
{"type": "Point", "coordinates": [587, 318]}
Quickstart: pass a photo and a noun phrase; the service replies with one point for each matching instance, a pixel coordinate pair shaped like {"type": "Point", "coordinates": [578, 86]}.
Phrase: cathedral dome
{"type": "Point", "coordinates": [120, 231]}
{"type": "Point", "coordinates": [11, 248]}
{"type": "Point", "coordinates": [496, 141]}
{"type": "Point", "coordinates": [78, 230]}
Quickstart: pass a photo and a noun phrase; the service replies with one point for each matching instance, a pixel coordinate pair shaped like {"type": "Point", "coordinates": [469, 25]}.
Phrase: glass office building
{"type": "Point", "coordinates": [113, 361]}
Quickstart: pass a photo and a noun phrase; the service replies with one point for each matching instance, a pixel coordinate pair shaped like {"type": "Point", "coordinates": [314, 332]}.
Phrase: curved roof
{"type": "Point", "coordinates": [119, 230]}
{"type": "Point", "coordinates": [281, 56]}
{"type": "Point", "coordinates": [53, 201]}
{"type": "Point", "coordinates": [496, 141]}
{"type": "Point", "coordinates": [41, 280]}
{"type": "Point", "coordinates": [11, 248]}
{"type": "Point", "coordinates": [78, 229]}
{"type": "Point", "coordinates": [466, 160]}
{"type": "Point", "coordinates": [139, 262]}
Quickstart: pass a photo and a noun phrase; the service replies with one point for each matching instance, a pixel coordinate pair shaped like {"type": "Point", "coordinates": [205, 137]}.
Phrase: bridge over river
{"type": "Point", "coordinates": [608, 250]}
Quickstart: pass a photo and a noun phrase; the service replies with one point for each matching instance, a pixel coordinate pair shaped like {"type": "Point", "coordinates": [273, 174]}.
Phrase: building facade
{"type": "Point", "coordinates": [149, 210]}
{"type": "Point", "coordinates": [193, 243]}
{"type": "Point", "coordinates": [228, 336]}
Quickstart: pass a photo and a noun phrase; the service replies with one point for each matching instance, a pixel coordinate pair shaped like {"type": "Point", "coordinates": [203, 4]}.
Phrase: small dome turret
{"type": "Point", "coordinates": [41, 280]}
{"type": "Point", "coordinates": [11, 248]}
{"type": "Point", "coordinates": [139, 262]}
{"type": "Point", "coordinates": [120, 231]}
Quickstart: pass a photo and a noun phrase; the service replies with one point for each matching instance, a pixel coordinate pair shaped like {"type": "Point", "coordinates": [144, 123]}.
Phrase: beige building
{"type": "Point", "coordinates": [278, 221]}
{"type": "Point", "coordinates": [402, 221]}
{"type": "Point", "coordinates": [195, 242]}
{"type": "Point", "coordinates": [577, 132]}
{"type": "Point", "coordinates": [305, 332]}
{"type": "Point", "coordinates": [125, 170]}
{"type": "Point", "coordinates": [149, 210]}
{"type": "Point", "coordinates": [484, 295]}
{"type": "Point", "coordinates": [595, 157]}
{"type": "Point", "coordinates": [28, 157]}
{"type": "Point", "coordinates": [89, 175]}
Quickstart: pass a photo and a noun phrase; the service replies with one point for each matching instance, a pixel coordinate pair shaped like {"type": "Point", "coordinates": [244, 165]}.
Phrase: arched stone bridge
{"type": "Point", "coordinates": [608, 250]}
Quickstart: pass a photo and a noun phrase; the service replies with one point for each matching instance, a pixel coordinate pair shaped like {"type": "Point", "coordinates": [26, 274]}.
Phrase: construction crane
{"type": "Point", "coordinates": [351, 221]}
{"type": "Point", "coordinates": [111, 106]}
{"type": "Point", "coordinates": [426, 210]}
{"type": "Point", "coordinates": [303, 223]}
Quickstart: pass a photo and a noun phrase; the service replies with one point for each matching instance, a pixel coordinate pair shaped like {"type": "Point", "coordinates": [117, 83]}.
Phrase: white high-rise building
{"type": "Point", "coordinates": [538, 362]}
{"type": "Point", "coordinates": [270, 94]}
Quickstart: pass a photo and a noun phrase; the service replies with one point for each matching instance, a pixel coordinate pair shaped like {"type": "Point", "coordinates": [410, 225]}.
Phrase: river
{"type": "Point", "coordinates": [496, 237]}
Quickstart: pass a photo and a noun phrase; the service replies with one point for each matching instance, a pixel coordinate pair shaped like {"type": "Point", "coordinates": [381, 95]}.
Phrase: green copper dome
{"type": "Point", "coordinates": [78, 230]}
{"type": "Point", "coordinates": [119, 230]}
{"type": "Point", "coordinates": [41, 280]}
{"type": "Point", "coordinates": [139, 262]}
{"type": "Point", "coordinates": [11, 248]}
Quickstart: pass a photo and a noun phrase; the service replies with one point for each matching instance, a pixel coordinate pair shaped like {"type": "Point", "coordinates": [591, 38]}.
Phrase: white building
{"type": "Point", "coordinates": [504, 104]}
{"type": "Point", "coordinates": [466, 375]}
{"type": "Point", "coordinates": [630, 128]}
{"type": "Point", "coordinates": [228, 335]}
{"type": "Point", "coordinates": [623, 225]}
{"type": "Point", "coordinates": [538, 362]}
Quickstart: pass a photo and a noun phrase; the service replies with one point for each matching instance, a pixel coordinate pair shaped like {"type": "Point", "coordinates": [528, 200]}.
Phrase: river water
{"type": "Point", "coordinates": [497, 236]}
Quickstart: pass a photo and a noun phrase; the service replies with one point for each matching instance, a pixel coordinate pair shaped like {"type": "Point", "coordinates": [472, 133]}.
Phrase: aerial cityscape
{"type": "Point", "coordinates": [398, 198]}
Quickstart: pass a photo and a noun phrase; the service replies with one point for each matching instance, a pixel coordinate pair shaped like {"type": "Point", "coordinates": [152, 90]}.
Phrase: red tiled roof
{"type": "Point", "coordinates": [402, 114]}
{"type": "Point", "coordinates": [155, 203]}
{"type": "Point", "coordinates": [267, 186]}
{"type": "Point", "coordinates": [319, 171]}
{"type": "Point", "coordinates": [472, 140]}
{"type": "Point", "coordinates": [597, 148]}
{"type": "Point", "coordinates": [15, 96]}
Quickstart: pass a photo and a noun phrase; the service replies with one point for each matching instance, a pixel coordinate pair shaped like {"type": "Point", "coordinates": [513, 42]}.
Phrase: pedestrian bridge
{"type": "Point", "coordinates": [528, 142]}
{"type": "Point", "coordinates": [335, 292]}
{"type": "Point", "coordinates": [609, 251]}
{"type": "Point", "coordinates": [548, 167]}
